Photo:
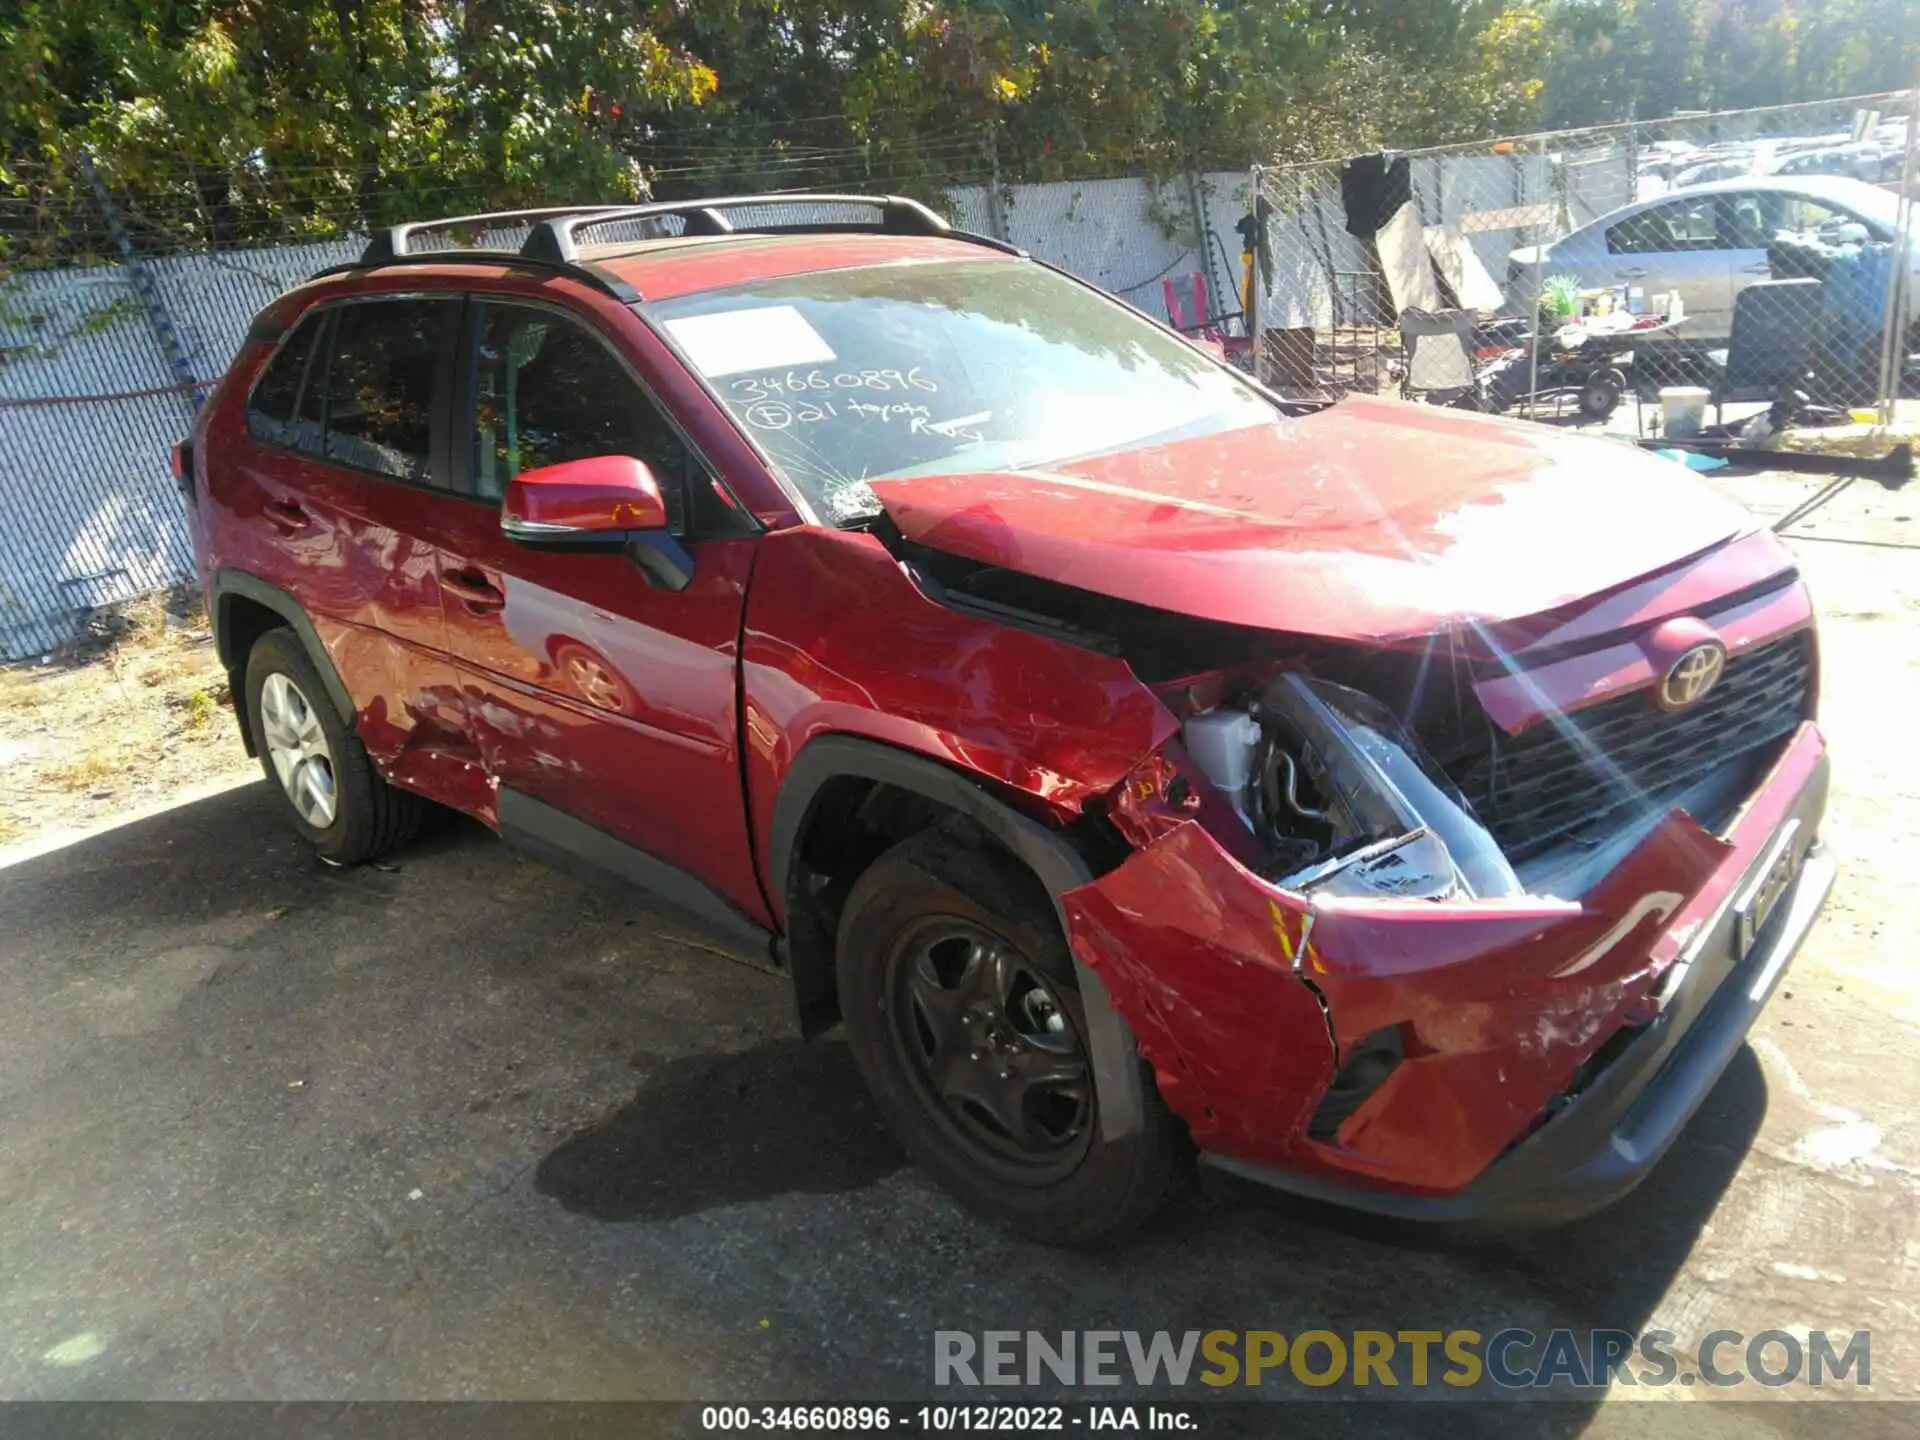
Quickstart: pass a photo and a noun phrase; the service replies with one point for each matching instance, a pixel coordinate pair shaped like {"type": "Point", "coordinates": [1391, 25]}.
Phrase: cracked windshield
{"type": "Point", "coordinates": [851, 376]}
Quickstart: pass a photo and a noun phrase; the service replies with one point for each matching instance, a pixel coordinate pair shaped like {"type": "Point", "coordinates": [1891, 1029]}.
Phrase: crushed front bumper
{"type": "Point", "coordinates": [1244, 1001]}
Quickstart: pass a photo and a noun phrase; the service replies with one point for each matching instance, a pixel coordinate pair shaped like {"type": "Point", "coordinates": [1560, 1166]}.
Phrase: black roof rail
{"type": "Point", "coordinates": [597, 276]}
{"type": "Point", "coordinates": [553, 239]}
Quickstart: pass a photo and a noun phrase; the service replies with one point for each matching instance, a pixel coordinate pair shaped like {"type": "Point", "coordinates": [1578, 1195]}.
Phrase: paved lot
{"type": "Point", "coordinates": [462, 1128]}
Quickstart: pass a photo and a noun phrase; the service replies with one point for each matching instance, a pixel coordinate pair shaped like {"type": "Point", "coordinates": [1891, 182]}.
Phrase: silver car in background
{"type": "Point", "coordinates": [1709, 242]}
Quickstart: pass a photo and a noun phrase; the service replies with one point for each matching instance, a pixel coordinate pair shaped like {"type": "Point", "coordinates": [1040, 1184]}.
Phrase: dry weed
{"type": "Point", "coordinates": [88, 773]}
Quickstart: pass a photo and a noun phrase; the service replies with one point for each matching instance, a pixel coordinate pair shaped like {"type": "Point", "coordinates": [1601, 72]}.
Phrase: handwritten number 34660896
{"type": "Point", "coordinates": [801, 384]}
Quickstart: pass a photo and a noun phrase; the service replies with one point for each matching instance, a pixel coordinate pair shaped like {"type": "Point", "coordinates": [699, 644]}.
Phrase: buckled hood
{"type": "Point", "coordinates": [1371, 519]}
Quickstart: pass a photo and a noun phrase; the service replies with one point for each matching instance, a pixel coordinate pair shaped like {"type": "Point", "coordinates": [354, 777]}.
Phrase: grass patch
{"type": "Point", "coordinates": [135, 706]}
{"type": "Point", "coordinates": [143, 621]}
{"type": "Point", "coordinates": [169, 664]}
{"type": "Point", "coordinates": [89, 772]}
{"type": "Point", "coordinates": [200, 708]}
{"type": "Point", "coordinates": [17, 696]}
{"type": "Point", "coordinates": [10, 829]}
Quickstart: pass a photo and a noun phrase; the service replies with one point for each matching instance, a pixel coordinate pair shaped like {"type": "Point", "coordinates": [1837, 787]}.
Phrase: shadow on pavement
{"type": "Point", "coordinates": [707, 1130]}
{"type": "Point", "coordinates": [192, 995]}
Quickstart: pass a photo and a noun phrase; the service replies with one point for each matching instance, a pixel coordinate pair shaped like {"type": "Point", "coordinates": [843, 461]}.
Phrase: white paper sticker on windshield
{"type": "Point", "coordinates": [763, 338]}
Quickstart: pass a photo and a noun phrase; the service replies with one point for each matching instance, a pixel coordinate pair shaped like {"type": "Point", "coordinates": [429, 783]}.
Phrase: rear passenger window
{"type": "Point", "coordinates": [1687, 224]}
{"type": "Point", "coordinates": [270, 413]}
{"type": "Point", "coordinates": [380, 384]}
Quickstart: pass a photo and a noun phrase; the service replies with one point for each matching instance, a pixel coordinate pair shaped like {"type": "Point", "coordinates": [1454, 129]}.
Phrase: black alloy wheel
{"type": "Point", "coordinates": [996, 1057]}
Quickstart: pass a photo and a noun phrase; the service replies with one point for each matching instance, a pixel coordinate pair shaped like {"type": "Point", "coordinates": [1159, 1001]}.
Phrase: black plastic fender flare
{"type": "Point", "coordinates": [1116, 1058]}
{"type": "Point", "coordinates": [228, 583]}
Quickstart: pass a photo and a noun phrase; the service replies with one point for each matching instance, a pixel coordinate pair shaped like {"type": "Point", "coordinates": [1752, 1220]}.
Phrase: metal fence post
{"type": "Point", "coordinates": [1632, 151]}
{"type": "Point", "coordinates": [1893, 333]}
{"type": "Point", "coordinates": [1533, 329]}
{"type": "Point", "coordinates": [996, 202]}
{"type": "Point", "coordinates": [1254, 308]}
{"type": "Point", "coordinates": [147, 286]}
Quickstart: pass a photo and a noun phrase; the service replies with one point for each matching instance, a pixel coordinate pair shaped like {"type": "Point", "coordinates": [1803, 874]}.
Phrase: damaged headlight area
{"type": "Point", "coordinates": [1342, 799]}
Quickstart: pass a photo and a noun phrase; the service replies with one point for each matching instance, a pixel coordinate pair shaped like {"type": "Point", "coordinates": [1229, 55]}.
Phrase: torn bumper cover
{"type": "Point", "coordinates": [1543, 1053]}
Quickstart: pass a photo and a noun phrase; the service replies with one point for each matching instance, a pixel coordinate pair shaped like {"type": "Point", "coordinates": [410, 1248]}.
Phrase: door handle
{"type": "Point", "coordinates": [285, 515]}
{"type": "Point", "coordinates": [1759, 267]}
{"type": "Point", "coordinates": [1636, 273]}
{"type": "Point", "coordinates": [473, 590]}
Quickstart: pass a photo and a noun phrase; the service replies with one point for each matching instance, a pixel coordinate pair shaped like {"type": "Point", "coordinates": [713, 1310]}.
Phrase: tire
{"type": "Point", "coordinates": [933, 919]}
{"type": "Point", "coordinates": [367, 817]}
{"type": "Point", "coordinates": [1600, 396]}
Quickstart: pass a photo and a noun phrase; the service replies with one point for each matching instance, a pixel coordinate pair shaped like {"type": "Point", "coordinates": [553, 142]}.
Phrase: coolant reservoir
{"type": "Point", "coordinates": [1225, 744]}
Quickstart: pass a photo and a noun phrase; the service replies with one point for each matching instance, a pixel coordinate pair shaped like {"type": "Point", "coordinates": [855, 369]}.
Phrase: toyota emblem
{"type": "Point", "coordinates": [1689, 678]}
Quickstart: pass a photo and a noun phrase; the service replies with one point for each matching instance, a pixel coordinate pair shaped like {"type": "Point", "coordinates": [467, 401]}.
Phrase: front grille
{"type": "Point", "coordinates": [1556, 777]}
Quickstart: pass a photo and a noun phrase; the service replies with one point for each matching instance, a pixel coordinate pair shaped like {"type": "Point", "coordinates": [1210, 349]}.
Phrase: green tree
{"type": "Point", "coordinates": [222, 117]}
{"type": "Point", "coordinates": [227, 121]}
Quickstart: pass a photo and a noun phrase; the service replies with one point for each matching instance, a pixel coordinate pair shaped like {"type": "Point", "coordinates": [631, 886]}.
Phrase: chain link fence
{"type": "Point", "coordinates": [1729, 261]}
{"type": "Point", "coordinates": [1572, 275]}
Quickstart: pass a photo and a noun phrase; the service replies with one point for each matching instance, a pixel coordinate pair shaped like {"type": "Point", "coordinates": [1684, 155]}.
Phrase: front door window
{"type": "Point", "coordinates": [546, 390]}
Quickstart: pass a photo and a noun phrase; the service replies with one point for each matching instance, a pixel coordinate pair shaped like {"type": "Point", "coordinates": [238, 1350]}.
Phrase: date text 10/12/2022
{"type": "Point", "coordinates": [945, 1419]}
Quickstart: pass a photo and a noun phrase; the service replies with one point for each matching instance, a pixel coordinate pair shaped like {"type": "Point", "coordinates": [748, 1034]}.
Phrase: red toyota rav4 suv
{"type": "Point", "coordinates": [1402, 807]}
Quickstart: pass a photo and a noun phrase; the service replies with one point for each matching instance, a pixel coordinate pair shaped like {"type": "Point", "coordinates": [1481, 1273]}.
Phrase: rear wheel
{"type": "Point", "coordinates": [965, 1018]}
{"type": "Point", "coordinates": [315, 764]}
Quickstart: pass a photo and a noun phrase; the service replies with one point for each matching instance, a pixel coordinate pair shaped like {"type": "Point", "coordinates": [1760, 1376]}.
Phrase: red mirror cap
{"type": "Point", "coordinates": [592, 496]}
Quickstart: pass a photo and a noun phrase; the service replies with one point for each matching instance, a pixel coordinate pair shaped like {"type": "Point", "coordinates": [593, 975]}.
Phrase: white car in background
{"type": "Point", "coordinates": [1864, 161]}
{"type": "Point", "coordinates": [1709, 242]}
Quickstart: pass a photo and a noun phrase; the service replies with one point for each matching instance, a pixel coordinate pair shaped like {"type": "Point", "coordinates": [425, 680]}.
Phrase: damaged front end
{"type": "Point", "coordinates": [1342, 799]}
{"type": "Point", "coordinates": [1451, 928]}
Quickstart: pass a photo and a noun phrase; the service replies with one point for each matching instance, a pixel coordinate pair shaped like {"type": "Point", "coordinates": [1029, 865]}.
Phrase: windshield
{"type": "Point", "coordinates": [849, 376]}
{"type": "Point", "coordinates": [1874, 204]}
{"type": "Point", "coordinates": [1867, 202]}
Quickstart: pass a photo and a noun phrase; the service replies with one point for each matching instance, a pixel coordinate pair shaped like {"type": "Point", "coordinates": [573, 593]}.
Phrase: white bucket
{"type": "Point", "coordinates": [1683, 410]}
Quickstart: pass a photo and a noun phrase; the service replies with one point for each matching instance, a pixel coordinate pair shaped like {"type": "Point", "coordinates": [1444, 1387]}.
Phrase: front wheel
{"type": "Point", "coordinates": [315, 764]}
{"type": "Point", "coordinates": [965, 1018]}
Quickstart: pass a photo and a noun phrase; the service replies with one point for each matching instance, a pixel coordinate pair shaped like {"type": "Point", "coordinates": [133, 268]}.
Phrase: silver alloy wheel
{"type": "Point", "coordinates": [297, 746]}
{"type": "Point", "coordinates": [591, 679]}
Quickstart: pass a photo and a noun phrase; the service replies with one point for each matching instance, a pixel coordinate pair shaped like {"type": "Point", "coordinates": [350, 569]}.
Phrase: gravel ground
{"type": "Point", "coordinates": [132, 717]}
{"type": "Point", "coordinates": [460, 1128]}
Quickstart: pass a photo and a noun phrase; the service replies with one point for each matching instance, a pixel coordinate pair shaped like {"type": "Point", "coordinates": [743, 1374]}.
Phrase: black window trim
{"type": "Point", "coordinates": [461, 403]}
{"type": "Point", "coordinates": [438, 447]}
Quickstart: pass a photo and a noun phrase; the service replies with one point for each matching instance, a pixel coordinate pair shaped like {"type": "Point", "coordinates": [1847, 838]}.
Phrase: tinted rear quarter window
{"type": "Point", "coordinates": [380, 384]}
{"type": "Point", "coordinates": [270, 414]}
